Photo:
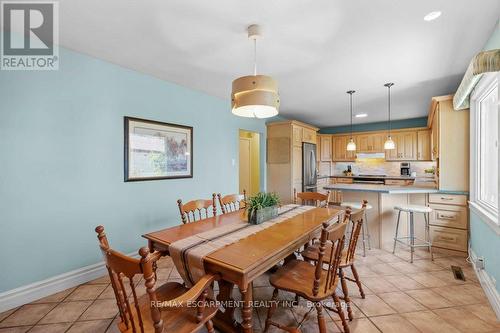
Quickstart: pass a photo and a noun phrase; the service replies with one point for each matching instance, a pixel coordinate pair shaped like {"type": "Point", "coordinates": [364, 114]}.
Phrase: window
{"type": "Point", "coordinates": [484, 147]}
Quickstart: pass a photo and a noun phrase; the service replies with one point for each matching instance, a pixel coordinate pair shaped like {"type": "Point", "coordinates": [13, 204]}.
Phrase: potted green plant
{"type": "Point", "coordinates": [262, 207]}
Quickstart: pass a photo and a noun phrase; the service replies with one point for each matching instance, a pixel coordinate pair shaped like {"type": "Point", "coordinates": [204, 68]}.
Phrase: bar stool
{"type": "Point", "coordinates": [365, 232]}
{"type": "Point", "coordinates": [411, 209]}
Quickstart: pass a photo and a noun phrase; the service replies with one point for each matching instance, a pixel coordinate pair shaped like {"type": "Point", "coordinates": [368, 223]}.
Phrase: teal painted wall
{"type": "Point", "coordinates": [483, 240]}
{"type": "Point", "coordinates": [378, 126]}
{"type": "Point", "coordinates": [485, 243]}
{"type": "Point", "coordinates": [61, 162]}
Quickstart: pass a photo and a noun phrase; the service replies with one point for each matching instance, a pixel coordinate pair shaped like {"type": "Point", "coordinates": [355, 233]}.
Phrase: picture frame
{"type": "Point", "coordinates": [155, 150]}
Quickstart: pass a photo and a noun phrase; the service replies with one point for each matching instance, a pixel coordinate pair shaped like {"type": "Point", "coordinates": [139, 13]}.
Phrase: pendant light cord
{"type": "Point", "coordinates": [350, 97]}
{"type": "Point", "coordinates": [255, 57]}
{"type": "Point", "coordinates": [389, 103]}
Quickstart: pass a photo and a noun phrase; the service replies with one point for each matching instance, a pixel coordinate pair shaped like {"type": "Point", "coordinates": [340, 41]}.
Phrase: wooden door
{"type": "Point", "coordinates": [435, 135]}
{"type": "Point", "coordinates": [297, 164]}
{"type": "Point", "coordinates": [308, 135]}
{"type": "Point", "coordinates": [378, 142]}
{"type": "Point", "coordinates": [245, 164]}
{"type": "Point", "coordinates": [409, 140]}
{"type": "Point", "coordinates": [424, 145]}
{"type": "Point", "coordinates": [297, 136]}
{"type": "Point", "coordinates": [326, 148]}
{"type": "Point", "coordinates": [339, 150]}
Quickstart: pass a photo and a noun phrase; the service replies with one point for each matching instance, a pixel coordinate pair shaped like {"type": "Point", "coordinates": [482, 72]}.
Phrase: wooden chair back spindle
{"type": "Point", "coordinates": [311, 198]}
{"type": "Point", "coordinates": [334, 233]}
{"type": "Point", "coordinates": [196, 210]}
{"type": "Point", "coordinates": [356, 225]}
{"type": "Point", "coordinates": [232, 202]}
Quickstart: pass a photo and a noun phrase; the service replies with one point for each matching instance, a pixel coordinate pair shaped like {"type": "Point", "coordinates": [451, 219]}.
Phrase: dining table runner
{"type": "Point", "coordinates": [188, 253]}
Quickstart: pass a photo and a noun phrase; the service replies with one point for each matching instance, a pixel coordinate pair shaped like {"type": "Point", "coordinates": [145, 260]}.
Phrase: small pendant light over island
{"type": "Point", "coordinates": [351, 146]}
{"type": "Point", "coordinates": [389, 143]}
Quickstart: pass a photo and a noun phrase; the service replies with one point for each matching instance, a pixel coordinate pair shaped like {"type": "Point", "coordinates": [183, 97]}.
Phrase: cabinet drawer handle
{"type": "Point", "coordinates": [445, 238]}
{"type": "Point", "coordinates": [447, 217]}
{"type": "Point", "coordinates": [444, 198]}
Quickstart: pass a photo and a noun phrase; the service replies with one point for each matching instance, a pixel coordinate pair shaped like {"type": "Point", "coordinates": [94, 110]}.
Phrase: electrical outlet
{"type": "Point", "coordinates": [479, 263]}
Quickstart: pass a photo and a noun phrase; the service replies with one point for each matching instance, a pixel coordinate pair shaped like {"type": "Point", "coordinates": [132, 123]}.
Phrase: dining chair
{"type": "Point", "coordinates": [232, 202]}
{"type": "Point", "coordinates": [167, 308]}
{"type": "Point", "coordinates": [315, 283]}
{"type": "Point", "coordinates": [311, 253]}
{"type": "Point", "coordinates": [195, 210]}
{"type": "Point", "coordinates": [311, 198]}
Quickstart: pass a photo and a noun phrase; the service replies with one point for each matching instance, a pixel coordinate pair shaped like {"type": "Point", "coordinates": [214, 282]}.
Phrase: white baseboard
{"type": "Point", "coordinates": [487, 285]}
{"type": "Point", "coordinates": [34, 291]}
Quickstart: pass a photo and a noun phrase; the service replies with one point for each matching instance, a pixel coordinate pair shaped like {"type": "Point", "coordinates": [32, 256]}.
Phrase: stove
{"type": "Point", "coordinates": [369, 179]}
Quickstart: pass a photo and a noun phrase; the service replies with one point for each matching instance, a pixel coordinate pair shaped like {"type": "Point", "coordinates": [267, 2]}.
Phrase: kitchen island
{"type": "Point", "coordinates": [382, 217]}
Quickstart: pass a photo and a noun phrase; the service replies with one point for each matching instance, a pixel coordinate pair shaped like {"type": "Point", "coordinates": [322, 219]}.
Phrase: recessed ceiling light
{"type": "Point", "coordinates": [361, 115]}
{"type": "Point", "coordinates": [432, 16]}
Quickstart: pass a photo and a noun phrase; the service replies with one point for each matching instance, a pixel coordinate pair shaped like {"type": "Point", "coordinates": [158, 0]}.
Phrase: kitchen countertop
{"type": "Point", "coordinates": [374, 176]}
{"type": "Point", "coordinates": [389, 189]}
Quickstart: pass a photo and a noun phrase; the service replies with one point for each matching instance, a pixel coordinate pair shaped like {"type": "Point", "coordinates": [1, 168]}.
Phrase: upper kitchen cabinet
{"type": "Point", "coordinates": [284, 156]}
{"type": "Point", "coordinates": [406, 146]}
{"type": "Point", "coordinates": [450, 143]}
{"type": "Point", "coordinates": [370, 143]}
{"type": "Point", "coordinates": [424, 145]}
{"type": "Point", "coordinates": [340, 152]}
{"type": "Point", "coordinates": [325, 148]}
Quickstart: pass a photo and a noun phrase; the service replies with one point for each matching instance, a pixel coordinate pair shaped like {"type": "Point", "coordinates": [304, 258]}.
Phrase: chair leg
{"type": "Point", "coordinates": [345, 291]}
{"type": "Point", "coordinates": [367, 232]}
{"type": "Point", "coordinates": [358, 281]}
{"type": "Point", "coordinates": [340, 312]}
{"type": "Point", "coordinates": [210, 327]}
{"type": "Point", "coordinates": [364, 239]}
{"type": "Point", "coordinates": [272, 309]}
{"type": "Point", "coordinates": [396, 237]}
{"type": "Point", "coordinates": [321, 318]}
{"type": "Point", "coordinates": [412, 237]}
{"type": "Point", "coordinates": [428, 234]}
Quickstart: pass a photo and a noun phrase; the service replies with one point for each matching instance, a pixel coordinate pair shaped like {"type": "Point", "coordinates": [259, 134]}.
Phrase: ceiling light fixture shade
{"type": "Point", "coordinates": [351, 146]}
{"type": "Point", "coordinates": [255, 96]}
{"type": "Point", "coordinates": [389, 143]}
{"type": "Point", "coordinates": [432, 16]}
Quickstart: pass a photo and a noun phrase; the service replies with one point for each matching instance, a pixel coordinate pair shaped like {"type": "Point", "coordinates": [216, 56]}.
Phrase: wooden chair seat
{"type": "Point", "coordinates": [296, 277]}
{"type": "Point", "coordinates": [179, 320]}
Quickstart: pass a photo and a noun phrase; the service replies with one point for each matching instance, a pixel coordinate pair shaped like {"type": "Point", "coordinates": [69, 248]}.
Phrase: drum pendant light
{"type": "Point", "coordinates": [255, 96]}
{"type": "Point", "coordinates": [389, 144]}
{"type": "Point", "coordinates": [351, 146]}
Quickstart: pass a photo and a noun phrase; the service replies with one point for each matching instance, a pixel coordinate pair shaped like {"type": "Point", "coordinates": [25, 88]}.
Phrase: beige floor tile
{"type": "Point", "coordinates": [66, 312]}
{"type": "Point", "coordinates": [165, 262]}
{"type": "Point", "coordinates": [428, 280]}
{"type": "Point", "coordinates": [401, 302]}
{"type": "Point", "coordinates": [389, 257]}
{"type": "Point", "coordinates": [475, 291]}
{"type": "Point", "coordinates": [50, 328]}
{"type": "Point", "coordinates": [28, 314]}
{"type": "Point", "coordinates": [369, 260]}
{"type": "Point", "coordinates": [385, 269]}
{"type": "Point", "coordinates": [379, 285]}
{"type": "Point", "coordinates": [426, 266]}
{"type": "Point", "coordinates": [486, 313]}
{"type": "Point", "coordinates": [363, 271]}
{"type": "Point", "coordinates": [429, 322]}
{"type": "Point", "coordinates": [163, 274]}
{"type": "Point", "coordinates": [5, 314]}
{"type": "Point", "coordinates": [94, 326]}
{"type": "Point", "coordinates": [361, 325]}
{"type": "Point", "coordinates": [101, 309]}
{"type": "Point", "coordinates": [394, 324]}
{"type": "Point", "coordinates": [406, 267]}
{"type": "Point", "coordinates": [372, 305]}
{"type": "Point", "coordinates": [86, 292]}
{"type": "Point", "coordinates": [55, 298]}
{"type": "Point", "coordinates": [174, 274]}
{"type": "Point", "coordinates": [429, 298]}
{"type": "Point", "coordinates": [457, 295]}
{"type": "Point", "coordinates": [404, 282]}
{"type": "Point", "coordinates": [464, 320]}
{"type": "Point", "coordinates": [447, 276]}
{"type": "Point", "coordinates": [19, 329]}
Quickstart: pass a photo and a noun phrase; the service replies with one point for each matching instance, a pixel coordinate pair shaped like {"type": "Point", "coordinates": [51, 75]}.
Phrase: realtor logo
{"type": "Point", "coordinates": [30, 35]}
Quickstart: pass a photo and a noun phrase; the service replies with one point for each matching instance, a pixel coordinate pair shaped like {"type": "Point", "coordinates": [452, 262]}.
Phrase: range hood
{"type": "Point", "coordinates": [363, 156]}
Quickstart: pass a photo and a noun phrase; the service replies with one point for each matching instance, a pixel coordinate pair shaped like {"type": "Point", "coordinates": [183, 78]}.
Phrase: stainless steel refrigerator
{"type": "Point", "coordinates": [309, 172]}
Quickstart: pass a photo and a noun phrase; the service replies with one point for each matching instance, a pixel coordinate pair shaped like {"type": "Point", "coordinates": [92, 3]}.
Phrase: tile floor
{"type": "Point", "coordinates": [401, 297]}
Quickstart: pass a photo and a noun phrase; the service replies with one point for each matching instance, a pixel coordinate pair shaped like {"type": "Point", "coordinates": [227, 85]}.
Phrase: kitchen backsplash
{"type": "Point", "coordinates": [375, 167]}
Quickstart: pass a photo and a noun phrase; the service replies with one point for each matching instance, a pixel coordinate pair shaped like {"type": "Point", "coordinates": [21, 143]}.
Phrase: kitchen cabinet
{"type": "Point", "coordinates": [284, 156]}
{"type": "Point", "coordinates": [370, 143]}
{"type": "Point", "coordinates": [424, 145]}
{"type": "Point", "coordinates": [406, 146]}
{"type": "Point", "coordinates": [450, 144]}
{"type": "Point", "coordinates": [340, 152]}
{"type": "Point", "coordinates": [325, 148]}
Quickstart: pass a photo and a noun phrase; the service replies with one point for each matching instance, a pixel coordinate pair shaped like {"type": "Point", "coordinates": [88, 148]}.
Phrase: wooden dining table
{"type": "Point", "coordinates": [240, 263]}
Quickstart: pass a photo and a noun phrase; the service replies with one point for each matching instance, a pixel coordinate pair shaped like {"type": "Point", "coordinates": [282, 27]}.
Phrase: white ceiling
{"type": "Point", "coordinates": [316, 50]}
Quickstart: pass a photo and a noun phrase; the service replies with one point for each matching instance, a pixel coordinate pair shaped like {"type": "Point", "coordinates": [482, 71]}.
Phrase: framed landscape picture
{"type": "Point", "coordinates": [156, 150]}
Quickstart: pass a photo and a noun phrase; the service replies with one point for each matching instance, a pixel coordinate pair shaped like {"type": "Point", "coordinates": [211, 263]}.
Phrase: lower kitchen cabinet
{"type": "Point", "coordinates": [449, 238]}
